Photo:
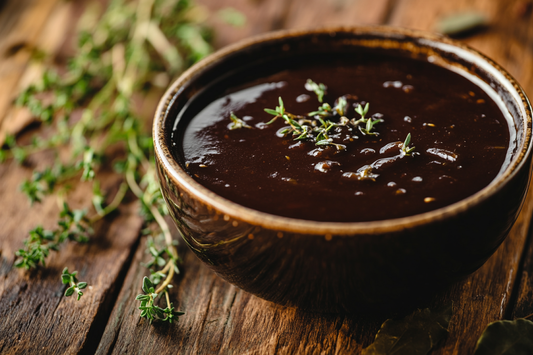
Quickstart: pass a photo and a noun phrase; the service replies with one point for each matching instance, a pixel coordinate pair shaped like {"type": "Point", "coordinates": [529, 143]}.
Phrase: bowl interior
{"type": "Point", "coordinates": [262, 56]}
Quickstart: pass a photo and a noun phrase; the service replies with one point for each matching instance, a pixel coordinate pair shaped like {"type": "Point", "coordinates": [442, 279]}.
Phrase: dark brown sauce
{"type": "Point", "coordinates": [460, 134]}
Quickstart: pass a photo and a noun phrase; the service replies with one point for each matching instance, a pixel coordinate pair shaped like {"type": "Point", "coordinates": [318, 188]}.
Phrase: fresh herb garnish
{"type": "Point", "coordinates": [405, 150]}
{"type": "Point", "coordinates": [237, 123]}
{"type": "Point", "coordinates": [368, 122]}
{"type": "Point", "coordinates": [318, 89]}
{"type": "Point", "coordinates": [74, 286]}
{"type": "Point", "coordinates": [317, 125]}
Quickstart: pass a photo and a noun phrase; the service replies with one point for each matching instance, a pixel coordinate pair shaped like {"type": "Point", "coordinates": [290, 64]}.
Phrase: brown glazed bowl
{"type": "Point", "coordinates": [328, 266]}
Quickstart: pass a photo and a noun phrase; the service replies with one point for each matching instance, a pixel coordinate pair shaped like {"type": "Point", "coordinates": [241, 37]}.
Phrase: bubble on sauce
{"type": "Point", "coordinates": [299, 144]}
{"type": "Point", "coordinates": [392, 146]}
{"type": "Point", "coordinates": [282, 132]}
{"type": "Point", "coordinates": [417, 179]}
{"type": "Point", "coordinates": [408, 119]}
{"type": "Point", "coordinates": [395, 84]}
{"type": "Point", "coordinates": [443, 154]}
{"type": "Point", "coordinates": [289, 180]}
{"type": "Point", "coordinates": [359, 193]}
{"type": "Point", "coordinates": [326, 166]}
{"type": "Point", "coordinates": [316, 152]}
{"type": "Point", "coordinates": [303, 98]}
{"type": "Point", "coordinates": [367, 151]}
{"type": "Point", "coordinates": [408, 88]}
{"type": "Point", "coordinates": [391, 184]}
{"type": "Point", "coordinates": [400, 191]}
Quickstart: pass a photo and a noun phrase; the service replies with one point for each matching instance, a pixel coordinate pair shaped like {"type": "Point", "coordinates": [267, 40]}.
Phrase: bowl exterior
{"type": "Point", "coordinates": [333, 273]}
{"type": "Point", "coordinates": [341, 267]}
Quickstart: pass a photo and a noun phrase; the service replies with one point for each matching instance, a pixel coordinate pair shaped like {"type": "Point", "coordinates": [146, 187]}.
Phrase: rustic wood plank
{"type": "Point", "coordinates": [34, 314]}
{"type": "Point", "coordinates": [524, 289]}
{"type": "Point", "coordinates": [271, 15]}
{"type": "Point", "coordinates": [50, 40]}
{"type": "Point", "coordinates": [222, 319]}
{"type": "Point", "coordinates": [261, 16]}
{"type": "Point", "coordinates": [22, 22]}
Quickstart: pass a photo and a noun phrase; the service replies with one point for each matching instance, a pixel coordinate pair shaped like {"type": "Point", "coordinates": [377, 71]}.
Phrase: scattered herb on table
{"type": "Point", "coordinates": [74, 286]}
{"type": "Point", "coordinates": [122, 53]}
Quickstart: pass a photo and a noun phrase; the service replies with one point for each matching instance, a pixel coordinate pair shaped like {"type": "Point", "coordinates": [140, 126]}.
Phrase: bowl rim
{"type": "Point", "coordinates": [232, 210]}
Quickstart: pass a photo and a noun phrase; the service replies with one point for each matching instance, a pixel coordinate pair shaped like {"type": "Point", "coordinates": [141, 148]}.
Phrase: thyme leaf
{"type": "Point", "coordinates": [405, 150]}
{"type": "Point", "coordinates": [318, 89]}
{"type": "Point", "coordinates": [74, 286]}
{"type": "Point", "coordinates": [237, 123]}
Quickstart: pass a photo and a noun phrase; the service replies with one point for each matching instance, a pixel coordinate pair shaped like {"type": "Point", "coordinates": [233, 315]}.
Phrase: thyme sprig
{"type": "Point", "coordinates": [74, 286]}
{"type": "Point", "coordinates": [237, 123]}
{"type": "Point", "coordinates": [149, 309]}
{"type": "Point", "coordinates": [405, 150]}
{"type": "Point", "coordinates": [132, 48]}
{"type": "Point", "coordinates": [73, 225]}
{"type": "Point", "coordinates": [318, 89]}
{"type": "Point", "coordinates": [368, 122]}
{"type": "Point", "coordinates": [317, 125]}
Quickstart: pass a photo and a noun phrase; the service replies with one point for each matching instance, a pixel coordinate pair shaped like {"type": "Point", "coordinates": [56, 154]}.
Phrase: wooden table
{"type": "Point", "coordinates": [36, 318]}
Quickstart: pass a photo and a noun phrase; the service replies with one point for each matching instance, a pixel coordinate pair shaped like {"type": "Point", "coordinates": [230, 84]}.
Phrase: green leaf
{"type": "Point", "coordinates": [82, 285]}
{"type": "Point", "coordinates": [271, 111]}
{"type": "Point", "coordinates": [65, 279]}
{"type": "Point", "coordinates": [416, 334]}
{"type": "Point", "coordinates": [147, 285]}
{"type": "Point", "coordinates": [142, 297]}
{"type": "Point", "coordinates": [69, 291]}
{"type": "Point", "coordinates": [506, 337]}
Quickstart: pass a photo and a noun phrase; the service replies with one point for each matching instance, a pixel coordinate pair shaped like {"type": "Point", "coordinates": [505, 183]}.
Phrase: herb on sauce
{"type": "Point", "coordinates": [237, 123]}
{"type": "Point", "coordinates": [314, 127]}
{"type": "Point", "coordinates": [405, 150]}
{"type": "Point", "coordinates": [318, 89]}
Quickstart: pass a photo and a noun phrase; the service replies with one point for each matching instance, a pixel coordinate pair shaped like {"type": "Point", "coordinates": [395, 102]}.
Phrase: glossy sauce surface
{"type": "Point", "coordinates": [460, 135]}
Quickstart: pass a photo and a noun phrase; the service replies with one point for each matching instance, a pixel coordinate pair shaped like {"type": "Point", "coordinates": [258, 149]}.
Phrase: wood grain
{"type": "Point", "coordinates": [220, 318]}
{"type": "Point", "coordinates": [21, 23]}
{"type": "Point", "coordinates": [226, 320]}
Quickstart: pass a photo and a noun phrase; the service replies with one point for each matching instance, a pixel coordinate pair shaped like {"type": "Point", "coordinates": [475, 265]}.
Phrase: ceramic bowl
{"type": "Point", "coordinates": [328, 266]}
